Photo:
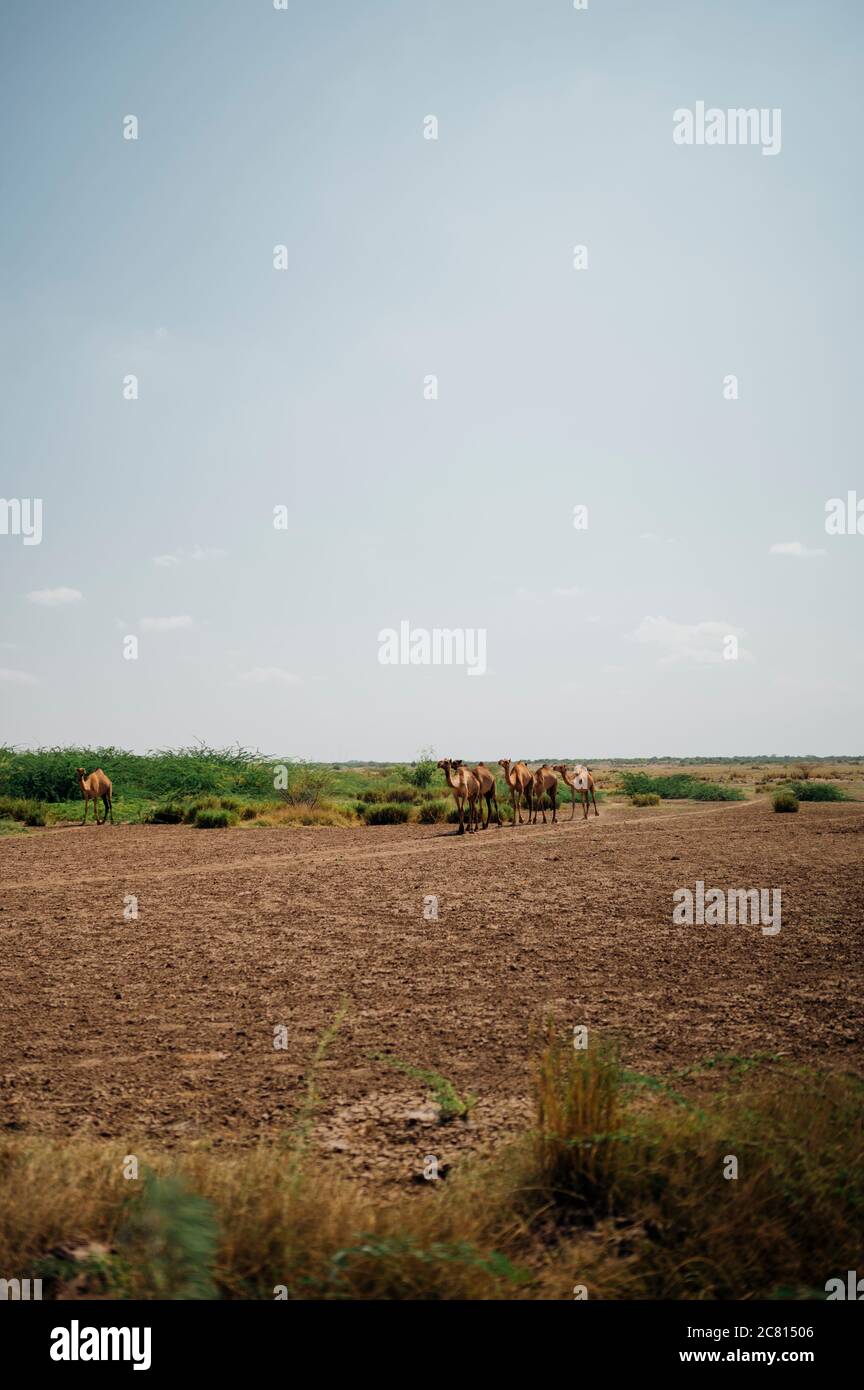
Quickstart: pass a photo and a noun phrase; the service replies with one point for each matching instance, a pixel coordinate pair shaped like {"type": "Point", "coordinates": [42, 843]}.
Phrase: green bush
{"type": "Point", "coordinates": [784, 801]}
{"type": "Point", "coordinates": [401, 794]}
{"type": "Point", "coordinates": [678, 785]}
{"type": "Point", "coordinates": [423, 771]}
{"type": "Point", "coordinates": [431, 812]}
{"type": "Point", "coordinates": [645, 799]}
{"type": "Point", "coordinates": [48, 774]}
{"type": "Point", "coordinates": [817, 791]}
{"type": "Point", "coordinates": [214, 819]}
{"type": "Point", "coordinates": [388, 814]}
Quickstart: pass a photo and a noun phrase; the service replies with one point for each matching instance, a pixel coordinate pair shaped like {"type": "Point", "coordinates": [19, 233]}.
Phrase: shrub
{"type": "Point", "coordinates": [305, 784]}
{"type": "Point", "coordinates": [645, 799]}
{"type": "Point", "coordinates": [817, 791]}
{"type": "Point", "coordinates": [431, 812]}
{"type": "Point", "coordinates": [400, 794]}
{"type": "Point", "coordinates": [388, 814]}
{"type": "Point", "coordinates": [678, 785]}
{"type": "Point", "coordinates": [423, 771]}
{"type": "Point", "coordinates": [784, 801]}
{"type": "Point", "coordinates": [372, 795]}
{"type": "Point", "coordinates": [214, 819]}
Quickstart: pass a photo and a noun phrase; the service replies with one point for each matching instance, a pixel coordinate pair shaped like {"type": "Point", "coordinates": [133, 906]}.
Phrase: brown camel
{"type": "Point", "coordinates": [465, 787]}
{"type": "Point", "coordinates": [581, 781]}
{"type": "Point", "coordinates": [521, 784]}
{"type": "Point", "coordinates": [545, 782]}
{"type": "Point", "coordinates": [94, 786]}
{"type": "Point", "coordinates": [488, 793]}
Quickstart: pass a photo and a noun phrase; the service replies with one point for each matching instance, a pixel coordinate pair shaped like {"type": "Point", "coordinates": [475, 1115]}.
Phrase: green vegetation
{"type": "Point", "coordinates": [391, 813]}
{"type": "Point", "coordinates": [678, 785]}
{"type": "Point", "coordinates": [784, 802]}
{"type": "Point", "coordinates": [39, 787]}
{"type": "Point", "coordinates": [23, 809]}
{"type": "Point", "coordinates": [609, 1186]}
{"type": "Point", "coordinates": [48, 774]}
{"type": "Point", "coordinates": [645, 799]}
{"type": "Point", "coordinates": [450, 1104]}
{"type": "Point", "coordinates": [213, 819]}
{"type": "Point", "coordinates": [817, 791]}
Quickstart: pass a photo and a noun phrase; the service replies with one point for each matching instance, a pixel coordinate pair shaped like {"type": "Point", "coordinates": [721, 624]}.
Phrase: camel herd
{"type": "Point", "coordinates": [471, 785]}
{"type": "Point", "coordinates": [474, 785]}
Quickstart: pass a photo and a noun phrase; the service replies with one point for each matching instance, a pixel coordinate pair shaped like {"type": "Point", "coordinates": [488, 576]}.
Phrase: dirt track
{"type": "Point", "coordinates": [162, 1028]}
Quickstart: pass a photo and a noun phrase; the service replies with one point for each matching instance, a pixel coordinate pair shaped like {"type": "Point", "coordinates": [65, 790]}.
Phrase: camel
{"type": "Point", "coordinates": [94, 786]}
{"type": "Point", "coordinates": [545, 781]}
{"type": "Point", "coordinates": [580, 780]}
{"type": "Point", "coordinates": [488, 793]}
{"type": "Point", "coordinates": [465, 787]}
{"type": "Point", "coordinates": [521, 786]}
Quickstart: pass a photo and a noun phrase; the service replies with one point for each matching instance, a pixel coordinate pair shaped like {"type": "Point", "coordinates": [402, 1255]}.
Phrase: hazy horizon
{"type": "Point", "coordinates": [308, 388]}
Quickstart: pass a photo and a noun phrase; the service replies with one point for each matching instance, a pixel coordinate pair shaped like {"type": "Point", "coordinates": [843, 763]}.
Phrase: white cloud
{"type": "Point", "coordinates": [699, 643]}
{"type": "Point", "coordinates": [55, 598]}
{"type": "Point", "coordinates": [165, 560]}
{"type": "Point", "coordinates": [573, 592]}
{"type": "Point", "coordinates": [165, 624]}
{"type": "Point", "coordinates": [267, 675]}
{"type": "Point", "coordinates": [797, 548]}
{"type": "Point", "coordinates": [8, 677]}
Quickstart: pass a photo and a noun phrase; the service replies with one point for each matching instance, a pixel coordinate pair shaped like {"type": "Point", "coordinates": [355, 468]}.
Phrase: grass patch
{"type": "Point", "coordinates": [390, 813]}
{"type": "Point", "coordinates": [23, 809]}
{"type": "Point", "coordinates": [784, 802]}
{"type": "Point", "coordinates": [618, 1184]}
{"type": "Point", "coordinates": [645, 799]}
{"type": "Point", "coordinates": [214, 819]}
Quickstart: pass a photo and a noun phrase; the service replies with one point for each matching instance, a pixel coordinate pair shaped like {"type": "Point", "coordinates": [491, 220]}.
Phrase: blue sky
{"type": "Point", "coordinates": [409, 257]}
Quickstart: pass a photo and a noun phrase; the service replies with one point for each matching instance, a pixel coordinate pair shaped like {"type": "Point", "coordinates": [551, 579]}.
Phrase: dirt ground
{"type": "Point", "coordinates": [160, 1029]}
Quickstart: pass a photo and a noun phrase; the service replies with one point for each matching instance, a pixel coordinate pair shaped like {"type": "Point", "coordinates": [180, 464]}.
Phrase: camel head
{"type": "Point", "coordinates": [80, 772]}
{"type": "Point", "coordinates": [559, 767]}
{"type": "Point", "coordinates": [505, 763]}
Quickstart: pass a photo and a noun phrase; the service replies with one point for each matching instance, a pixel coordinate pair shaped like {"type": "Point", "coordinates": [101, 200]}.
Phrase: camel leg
{"type": "Point", "coordinates": [594, 799]}
{"type": "Point", "coordinates": [497, 811]}
{"type": "Point", "coordinates": [461, 810]}
{"type": "Point", "coordinates": [86, 804]}
{"type": "Point", "coordinates": [111, 808]}
{"type": "Point", "coordinates": [554, 805]}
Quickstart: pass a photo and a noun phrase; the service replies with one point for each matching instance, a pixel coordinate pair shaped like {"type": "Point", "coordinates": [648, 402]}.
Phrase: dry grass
{"type": "Point", "coordinates": [619, 1186]}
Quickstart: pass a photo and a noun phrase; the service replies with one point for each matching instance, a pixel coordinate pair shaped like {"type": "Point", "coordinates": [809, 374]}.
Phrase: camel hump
{"type": "Point", "coordinates": [580, 777]}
